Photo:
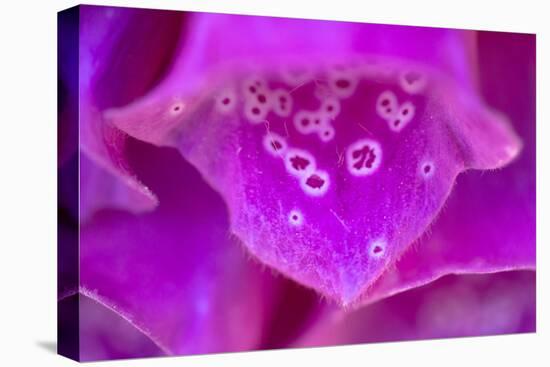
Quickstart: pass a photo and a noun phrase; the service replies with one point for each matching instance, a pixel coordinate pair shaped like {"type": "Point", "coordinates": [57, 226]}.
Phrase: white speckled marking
{"type": "Point", "coordinates": [363, 157]}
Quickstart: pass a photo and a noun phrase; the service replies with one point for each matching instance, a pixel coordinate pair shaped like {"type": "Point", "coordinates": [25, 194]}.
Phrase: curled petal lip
{"type": "Point", "coordinates": [465, 135]}
{"type": "Point", "coordinates": [340, 268]}
{"type": "Point", "coordinates": [121, 51]}
{"type": "Point", "coordinates": [175, 273]}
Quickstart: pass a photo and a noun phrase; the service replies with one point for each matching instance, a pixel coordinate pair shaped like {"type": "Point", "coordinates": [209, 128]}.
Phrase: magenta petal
{"type": "Point", "coordinates": [103, 185]}
{"type": "Point", "coordinates": [331, 168]}
{"type": "Point", "coordinates": [213, 39]}
{"type": "Point", "coordinates": [106, 335]}
{"type": "Point", "coordinates": [122, 51]}
{"type": "Point", "coordinates": [500, 236]}
{"type": "Point", "coordinates": [214, 43]}
{"type": "Point", "coordinates": [334, 213]}
{"type": "Point", "coordinates": [454, 306]}
{"type": "Point", "coordinates": [488, 224]}
{"type": "Point", "coordinates": [176, 274]}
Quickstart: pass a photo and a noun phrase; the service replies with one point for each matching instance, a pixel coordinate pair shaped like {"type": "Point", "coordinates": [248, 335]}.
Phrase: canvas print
{"type": "Point", "coordinates": [232, 183]}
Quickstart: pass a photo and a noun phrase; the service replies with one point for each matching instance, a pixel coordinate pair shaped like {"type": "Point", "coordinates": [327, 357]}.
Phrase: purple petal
{"type": "Point", "coordinates": [122, 51]}
{"type": "Point", "coordinates": [454, 306]}
{"type": "Point", "coordinates": [214, 42]}
{"type": "Point", "coordinates": [176, 274]}
{"type": "Point", "coordinates": [330, 167]}
{"type": "Point", "coordinates": [106, 335]}
{"type": "Point", "coordinates": [488, 224]}
{"type": "Point", "coordinates": [213, 39]}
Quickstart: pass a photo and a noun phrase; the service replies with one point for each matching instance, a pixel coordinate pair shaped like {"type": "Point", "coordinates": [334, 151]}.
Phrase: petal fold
{"type": "Point", "coordinates": [331, 166]}
{"type": "Point", "coordinates": [454, 306]}
{"type": "Point", "coordinates": [176, 274]}
{"type": "Point", "coordinates": [489, 221]}
{"type": "Point", "coordinates": [122, 51]}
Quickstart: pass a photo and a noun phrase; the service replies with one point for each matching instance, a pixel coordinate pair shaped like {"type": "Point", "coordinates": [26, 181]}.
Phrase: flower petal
{"type": "Point", "coordinates": [176, 274]}
{"type": "Point", "coordinates": [331, 168]}
{"type": "Point", "coordinates": [454, 306]}
{"type": "Point", "coordinates": [214, 41]}
{"type": "Point", "coordinates": [121, 53]}
{"type": "Point", "coordinates": [105, 335]}
{"type": "Point", "coordinates": [488, 223]}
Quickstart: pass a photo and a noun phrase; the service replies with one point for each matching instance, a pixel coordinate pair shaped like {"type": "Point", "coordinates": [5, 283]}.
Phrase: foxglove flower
{"type": "Point", "coordinates": [356, 160]}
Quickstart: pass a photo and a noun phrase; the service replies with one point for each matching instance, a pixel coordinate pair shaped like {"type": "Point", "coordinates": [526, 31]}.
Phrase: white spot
{"type": "Point", "coordinates": [426, 169]}
{"type": "Point", "coordinates": [255, 112]}
{"type": "Point", "coordinates": [177, 108]}
{"type": "Point", "coordinates": [377, 248]}
{"type": "Point", "coordinates": [295, 218]}
{"type": "Point", "coordinates": [404, 115]}
{"type": "Point", "coordinates": [363, 157]}
{"type": "Point", "coordinates": [386, 105]}
{"type": "Point", "coordinates": [299, 162]}
{"type": "Point", "coordinates": [412, 81]}
{"type": "Point", "coordinates": [305, 121]}
{"type": "Point", "coordinates": [258, 100]}
{"type": "Point", "coordinates": [343, 83]}
{"type": "Point", "coordinates": [282, 102]}
{"type": "Point", "coordinates": [315, 183]}
{"type": "Point", "coordinates": [275, 144]}
{"type": "Point", "coordinates": [263, 98]}
{"type": "Point", "coordinates": [327, 133]}
{"type": "Point", "coordinates": [330, 107]}
{"type": "Point", "coordinates": [296, 75]}
{"type": "Point", "coordinates": [253, 85]}
{"type": "Point", "coordinates": [226, 101]}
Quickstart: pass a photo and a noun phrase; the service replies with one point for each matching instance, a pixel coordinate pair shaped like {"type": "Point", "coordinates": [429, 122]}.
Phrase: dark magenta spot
{"type": "Point", "coordinates": [252, 89]}
{"type": "Point", "coordinates": [365, 157]}
{"type": "Point", "coordinates": [427, 168]}
{"type": "Point", "coordinates": [317, 121]}
{"type": "Point", "coordinates": [226, 100]}
{"type": "Point", "coordinates": [294, 217]}
{"type": "Point", "coordinates": [276, 145]}
{"type": "Point", "coordinates": [176, 108]}
{"type": "Point", "coordinates": [385, 102]}
{"type": "Point", "coordinates": [261, 98]}
{"type": "Point", "coordinates": [377, 249]}
{"type": "Point", "coordinates": [305, 121]}
{"type": "Point", "coordinates": [330, 108]}
{"type": "Point", "coordinates": [396, 122]}
{"type": "Point", "coordinates": [388, 110]}
{"type": "Point", "coordinates": [299, 163]}
{"type": "Point", "coordinates": [314, 181]}
{"type": "Point", "coordinates": [343, 83]}
{"type": "Point", "coordinates": [405, 112]}
{"type": "Point", "coordinates": [256, 111]}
